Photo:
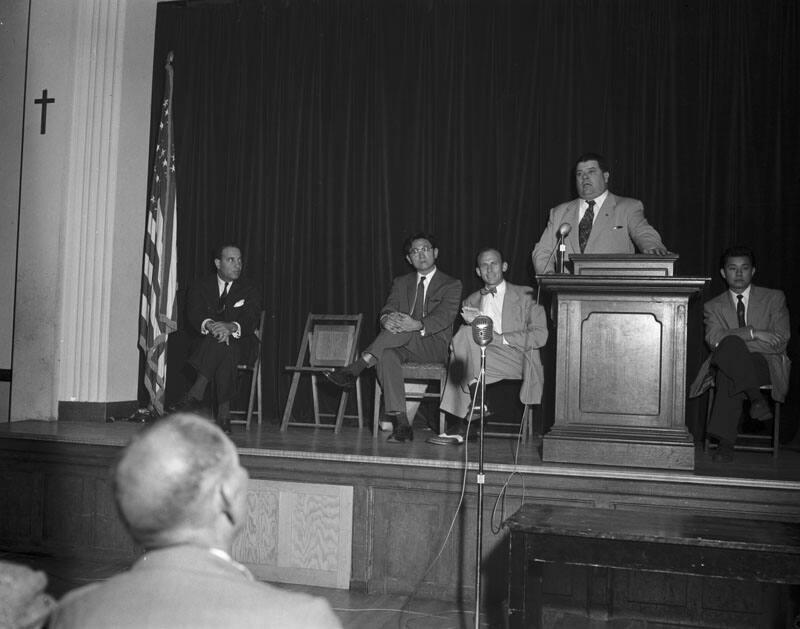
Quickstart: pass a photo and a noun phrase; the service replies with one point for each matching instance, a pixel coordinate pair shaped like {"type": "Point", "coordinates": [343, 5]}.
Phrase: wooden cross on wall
{"type": "Point", "coordinates": [43, 101]}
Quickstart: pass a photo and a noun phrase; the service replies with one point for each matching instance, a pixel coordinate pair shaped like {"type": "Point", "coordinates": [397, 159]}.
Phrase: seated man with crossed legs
{"type": "Point", "coordinates": [747, 329]}
{"type": "Point", "coordinates": [417, 324]}
{"type": "Point", "coordinates": [519, 330]}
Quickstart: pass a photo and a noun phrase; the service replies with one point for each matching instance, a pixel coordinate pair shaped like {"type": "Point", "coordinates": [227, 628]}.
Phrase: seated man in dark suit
{"type": "Point", "coordinates": [519, 330]}
{"type": "Point", "coordinates": [225, 309]}
{"type": "Point", "coordinates": [747, 329]}
{"type": "Point", "coordinates": [417, 324]}
{"type": "Point", "coordinates": [182, 494]}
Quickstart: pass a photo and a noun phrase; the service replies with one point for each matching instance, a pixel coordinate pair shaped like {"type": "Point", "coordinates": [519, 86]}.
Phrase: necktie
{"type": "Point", "coordinates": [222, 297]}
{"type": "Point", "coordinates": [740, 311]}
{"type": "Point", "coordinates": [489, 291]}
{"type": "Point", "coordinates": [585, 226]}
{"type": "Point", "coordinates": [417, 312]}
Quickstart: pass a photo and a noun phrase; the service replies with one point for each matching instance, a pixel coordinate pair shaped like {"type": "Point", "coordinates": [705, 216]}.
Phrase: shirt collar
{"type": "Point", "coordinates": [427, 277]}
{"type": "Point", "coordinates": [598, 203]}
{"type": "Point", "coordinates": [745, 295]}
{"type": "Point", "coordinates": [221, 285]}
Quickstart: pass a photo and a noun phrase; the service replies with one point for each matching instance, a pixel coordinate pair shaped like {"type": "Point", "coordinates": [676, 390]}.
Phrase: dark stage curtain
{"type": "Point", "coordinates": [320, 133]}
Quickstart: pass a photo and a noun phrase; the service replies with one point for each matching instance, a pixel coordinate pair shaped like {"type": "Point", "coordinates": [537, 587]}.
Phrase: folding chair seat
{"type": "Point", "coordinates": [328, 341]}
{"type": "Point", "coordinates": [417, 378]}
{"type": "Point", "coordinates": [254, 371]}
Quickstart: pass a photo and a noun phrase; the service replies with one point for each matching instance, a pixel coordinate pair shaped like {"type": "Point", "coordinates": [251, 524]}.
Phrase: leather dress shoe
{"type": "Point", "coordinates": [401, 434]}
{"type": "Point", "coordinates": [342, 377]}
{"type": "Point", "coordinates": [759, 410]}
{"type": "Point", "coordinates": [186, 405]}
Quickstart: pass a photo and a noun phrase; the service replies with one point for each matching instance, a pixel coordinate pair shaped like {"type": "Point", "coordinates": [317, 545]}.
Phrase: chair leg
{"type": "Point", "coordinates": [258, 381]}
{"type": "Point", "coordinates": [359, 404]}
{"type": "Point", "coordinates": [376, 410]}
{"type": "Point", "coordinates": [442, 418]}
{"type": "Point", "coordinates": [287, 412]}
{"type": "Point", "coordinates": [315, 397]}
{"type": "Point", "coordinates": [254, 375]}
{"type": "Point", "coordinates": [343, 398]}
{"type": "Point", "coordinates": [776, 430]}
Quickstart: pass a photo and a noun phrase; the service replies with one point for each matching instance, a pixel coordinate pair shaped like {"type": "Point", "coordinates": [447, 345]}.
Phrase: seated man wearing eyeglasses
{"type": "Point", "coordinates": [417, 325]}
{"type": "Point", "coordinates": [225, 309]}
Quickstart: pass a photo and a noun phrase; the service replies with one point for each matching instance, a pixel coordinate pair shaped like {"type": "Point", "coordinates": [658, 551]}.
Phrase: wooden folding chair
{"type": "Point", "coordinates": [329, 341]}
{"type": "Point", "coordinates": [254, 370]}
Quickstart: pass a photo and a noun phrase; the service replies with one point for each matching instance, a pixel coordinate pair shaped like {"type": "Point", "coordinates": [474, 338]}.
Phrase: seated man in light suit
{"type": "Point", "coordinates": [747, 329]}
{"type": "Point", "coordinates": [600, 221]}
{"type": "Point", "coordinates": [519, 330]}
{"type": "Point", "coordinates": [182, 494]}
{"type": "Point", "coordinates": [417, 324]}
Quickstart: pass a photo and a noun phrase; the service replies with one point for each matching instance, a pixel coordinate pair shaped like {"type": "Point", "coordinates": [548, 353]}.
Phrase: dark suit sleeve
{"type": "Point", "coordinates": [443, 307]}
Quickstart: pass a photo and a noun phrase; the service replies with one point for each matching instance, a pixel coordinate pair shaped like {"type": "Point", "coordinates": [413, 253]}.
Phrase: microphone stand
{"type": "Point", "coordinates": [481, 480]}
{"type": "Point", "coordinates": [562, 251]}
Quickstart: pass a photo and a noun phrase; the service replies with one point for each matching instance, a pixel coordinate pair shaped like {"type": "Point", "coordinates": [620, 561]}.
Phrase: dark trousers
{"type": "Point", "coordinates": [391, 351]}
{"type": "Point", "coordinates": [738, 370]}
{"type": "Point", "coordinates": [217, 362]}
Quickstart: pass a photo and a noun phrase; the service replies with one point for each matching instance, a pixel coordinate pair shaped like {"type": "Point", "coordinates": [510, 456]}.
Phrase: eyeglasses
{"type": "Point", "coordinates": [418, 250]}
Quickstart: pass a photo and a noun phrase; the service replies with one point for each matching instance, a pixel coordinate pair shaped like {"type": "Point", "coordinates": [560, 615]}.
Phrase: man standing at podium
{"type": "Point", "coordinates": [747, 329]}
{"type": "Point", "coordinates": [519, 330]}
{"type": "Point", "coordinates": [417, 325]}
{"type": "Point", "coordinates": [598, 221]}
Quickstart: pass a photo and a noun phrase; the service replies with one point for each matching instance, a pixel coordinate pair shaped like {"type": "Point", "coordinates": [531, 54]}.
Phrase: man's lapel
{"type": "Point", "coordinates": [571, 217]}
{"type": "Point", "coordinates": [509, 307]}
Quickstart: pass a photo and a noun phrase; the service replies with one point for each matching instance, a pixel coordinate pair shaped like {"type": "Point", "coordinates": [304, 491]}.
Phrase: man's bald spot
{"type": "Point", "coordinates": [166, 476]}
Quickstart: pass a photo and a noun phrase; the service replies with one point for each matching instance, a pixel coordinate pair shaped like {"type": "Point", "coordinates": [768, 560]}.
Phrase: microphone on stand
{"type": "Point", "coordinates": [482, 330]}
{"type": "Point", "coordinates": [563, 230]}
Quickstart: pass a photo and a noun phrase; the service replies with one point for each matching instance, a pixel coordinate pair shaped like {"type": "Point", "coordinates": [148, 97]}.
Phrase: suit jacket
{"type": "Point", "coordinates": [242, 305]}
{"type": "Point", "coordinates": [442, 300]}
{"type": "Point", "coordinates": [766, 310]}
{"type": "Point", "coordinates": [525, 329]}
{"type": "Point", "coordinates": [187, 586]}
{"type": "Point", "coordinates": [619, 225]}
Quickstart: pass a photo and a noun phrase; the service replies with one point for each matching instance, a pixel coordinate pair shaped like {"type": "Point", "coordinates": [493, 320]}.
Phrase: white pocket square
{"type": "Point", "coordinates": [239, 303]}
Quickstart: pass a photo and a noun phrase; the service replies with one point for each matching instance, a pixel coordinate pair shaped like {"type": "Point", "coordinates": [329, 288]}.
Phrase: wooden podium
{"type": "Point", "coordinates": [621, 363]}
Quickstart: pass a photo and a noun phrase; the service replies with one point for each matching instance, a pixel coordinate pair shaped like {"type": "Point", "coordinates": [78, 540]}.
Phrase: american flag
{"type": "Point", "coordinates": [158, 315]}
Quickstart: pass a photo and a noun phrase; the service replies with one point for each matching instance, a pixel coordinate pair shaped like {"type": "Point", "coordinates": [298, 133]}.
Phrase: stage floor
{"type": "Point", "coordinates": [354, 445]}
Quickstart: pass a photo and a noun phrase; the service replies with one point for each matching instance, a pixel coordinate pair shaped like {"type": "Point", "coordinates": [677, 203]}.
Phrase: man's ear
{"type": "Point", "coordinates": [754, 273]}
{"type": "Point", "coordinates": [408, 259]}
{"type": "Point", "coordinates": [227, 495]}
{"type": "Point", "coordinates": [477, 271]}
{"type": "Point", "coordinates": [722, 275]}
{"type": "Point", "coordinates": [505, 267]}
